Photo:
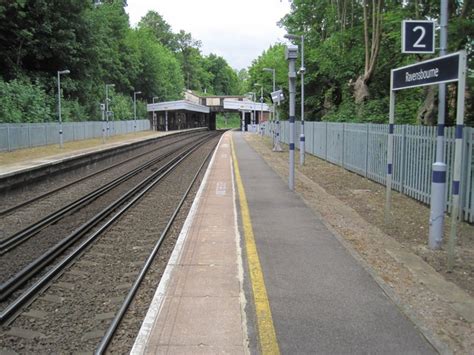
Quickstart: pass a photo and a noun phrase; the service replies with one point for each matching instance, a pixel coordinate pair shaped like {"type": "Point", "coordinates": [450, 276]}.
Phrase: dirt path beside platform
{"type": "Point", "coordinates": [441, 304]}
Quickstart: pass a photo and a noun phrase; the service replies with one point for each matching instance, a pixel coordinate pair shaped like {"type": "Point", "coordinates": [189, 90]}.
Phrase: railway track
{"type": "Point", "coordinates": [23, 235]}
{"type": "Point", "coordinates": [28, 201]}
{"type": "Point", "coordinates": [32, 264]}
{"type": "Point", "coordinates": [98, 252]}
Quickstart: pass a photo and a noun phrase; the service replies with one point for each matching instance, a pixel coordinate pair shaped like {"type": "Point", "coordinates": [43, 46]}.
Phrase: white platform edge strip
{"type": "Point", "coordinates": [139, 346]}
{"type": "Point", "coordinates": [238, 238]}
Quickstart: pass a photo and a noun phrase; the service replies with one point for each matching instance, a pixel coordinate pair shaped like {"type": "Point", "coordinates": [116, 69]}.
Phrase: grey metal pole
{"type": "Point", "coordinates": [243, 121]}
{"type": "Point", "coordinates": [291, 55]}
{"type": "Point", "coordinates": [277, 146]}
{"type": "Point", "coordinates": [254, 111]}
{"type": "Point", "coordinates": [61, 144]}
{"type": "Point", "coordinates": [61, 141]}
{"type": "Point", "coordinates": [391, 127]}
{"type": "Point", "coordinates": [166, 121]}
{"type": "Point", "coordinates": [107, 112]}
{"type": "Point", "coordinates": [457, 159]}
{"type": "Point", "coordinates": [274, 109]}
{"type": "Point", "coordinates": [134, 111]}
{"type": "Point", "coordinates": [302, 136]}
{"type": "Point", "coordinates": [438, 178]}
{"type": "Point", "coordinates": [102, 108]}
{"type": "Point", "coordinates": [155, 123]}
{"type": "Point", "coordinates": [261, 110]}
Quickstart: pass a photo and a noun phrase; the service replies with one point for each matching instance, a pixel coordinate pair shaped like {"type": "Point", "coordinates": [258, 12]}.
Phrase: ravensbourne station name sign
{"type": "Point", "coordinates": [440, 70]}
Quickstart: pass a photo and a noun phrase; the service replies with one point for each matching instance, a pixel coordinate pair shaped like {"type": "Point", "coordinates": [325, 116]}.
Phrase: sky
{"type": "Point", "coordinates": [239, 30]}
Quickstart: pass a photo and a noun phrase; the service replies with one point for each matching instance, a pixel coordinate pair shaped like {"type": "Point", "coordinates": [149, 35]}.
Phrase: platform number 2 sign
{"type": "Point", "coordinates": [417, 36]}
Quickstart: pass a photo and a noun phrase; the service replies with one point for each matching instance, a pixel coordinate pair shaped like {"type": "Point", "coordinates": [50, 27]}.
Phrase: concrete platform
{"type": "Point", "coordinates": [198, 306]}
{"type": "Point", "coordinates": [38, 167]}
{"type": "Point", "coordinates": [313, 296]}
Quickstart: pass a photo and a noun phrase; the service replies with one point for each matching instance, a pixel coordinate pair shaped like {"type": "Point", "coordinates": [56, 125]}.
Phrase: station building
{"type": "Point", "coordinates": [201, 111]}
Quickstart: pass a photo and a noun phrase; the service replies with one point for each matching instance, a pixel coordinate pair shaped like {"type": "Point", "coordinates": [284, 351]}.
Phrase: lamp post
{"type": "Point", "coordinates": [252, 112]}
{"type": "Point", "coordinates": [272, 125]}
{"type": "Point", "coordinates": [107, 112]}
{"type": "Point", "coordinates": [261, 106]}
{"type": "Point", "coordinates": [61, 141]}
{"type": "Point", "coordinates": [135, 109]}
{"type": "Point", "coordinates": [301, 71]}
{"type": "Point", "coordinates": [291, 55]}
{"type": "Point", "coordinates": [155, 123]}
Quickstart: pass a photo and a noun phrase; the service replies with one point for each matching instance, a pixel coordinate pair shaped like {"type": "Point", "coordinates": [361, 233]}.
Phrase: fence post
{"type": "Point", "coordinates": [343, 148]}
{"type": "Point", "coordinates": [367, 149]}
{"type": "Point", "coordinates": [29, 136]}
{"type": "Point", "coordinates": [471, 171]}
{"type": "Point", "coordinates": [326, 143]}
{"type": "Point", "coordinates": [8, 137]}
{"type": "Point", "coordinates": [403, 159]}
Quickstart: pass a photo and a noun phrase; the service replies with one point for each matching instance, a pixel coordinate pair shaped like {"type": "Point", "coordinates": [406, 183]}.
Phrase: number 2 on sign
{"type": "Point", "coordinates": [423, 33]}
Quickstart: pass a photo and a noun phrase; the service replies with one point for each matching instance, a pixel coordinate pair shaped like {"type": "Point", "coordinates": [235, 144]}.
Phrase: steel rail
{"type": "Point", "coordinates": [21, 236]}
{"type": "Point", "coordinates": [12, 284]}
{"type": "Point", "coordinates": [14, 307]}
{"type": "Point", "coordinates": [50, 192]}
{"type": "Point", "coordinates": [131, 294]}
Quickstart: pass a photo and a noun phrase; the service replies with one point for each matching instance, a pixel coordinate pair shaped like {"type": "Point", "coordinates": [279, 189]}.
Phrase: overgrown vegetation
{"type": "Point", "coordinates": [98, 46]}
{"type": "Point", "coordinates": [228, 121]}
{"type": "Point", "coordinates": [350, 47]}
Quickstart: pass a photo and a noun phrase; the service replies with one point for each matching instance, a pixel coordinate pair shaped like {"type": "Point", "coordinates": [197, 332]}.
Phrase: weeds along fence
{"type": "Point", "coordinates": [26, 135]}
{"type": "Point", "coordinates": [362, 149]}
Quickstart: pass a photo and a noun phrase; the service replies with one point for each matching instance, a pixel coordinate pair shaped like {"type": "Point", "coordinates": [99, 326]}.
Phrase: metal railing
{"type": "Point", "coordinates": [26, 135]}
{"type": "Point", "coordinates": [362, 149]}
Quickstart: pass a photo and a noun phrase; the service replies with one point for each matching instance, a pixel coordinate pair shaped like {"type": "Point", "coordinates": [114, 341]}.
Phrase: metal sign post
{"type": "Point", "coordinates": [449, 68]}
{"type": "Point", "coordinates": [291, 54]}
{"type": "Point", "coordinates": [277, 97]}
{"type": "Point", "coordinates": [102, 109]}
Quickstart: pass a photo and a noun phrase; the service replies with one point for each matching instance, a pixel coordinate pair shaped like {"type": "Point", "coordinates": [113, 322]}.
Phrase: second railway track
{"type": "Point", "coordinates": [55, 235]}
{"type": "Point", "coordinates": [99, 280]}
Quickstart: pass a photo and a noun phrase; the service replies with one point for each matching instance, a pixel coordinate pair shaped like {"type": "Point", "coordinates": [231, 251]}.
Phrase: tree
{"type": "Point", "coordinates": [160, 29]}
{"type": "Point", "coordinates": [372, 34]}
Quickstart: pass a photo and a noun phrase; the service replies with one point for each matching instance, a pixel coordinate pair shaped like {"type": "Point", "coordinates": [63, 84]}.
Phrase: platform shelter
{"type": "Point", "coordinates": [177, 115]}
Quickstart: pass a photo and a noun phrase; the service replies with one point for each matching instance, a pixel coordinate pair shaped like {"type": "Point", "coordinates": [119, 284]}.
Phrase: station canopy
{"type": "Point", "coordinates": [232, 104]}
{"type": "Point", "coordinates": [180, 105]}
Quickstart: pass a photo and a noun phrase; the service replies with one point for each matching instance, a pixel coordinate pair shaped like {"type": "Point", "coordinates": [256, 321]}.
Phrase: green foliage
{"type": "Point", "coordinates": [22, 101]}
{"type": "Point", "coordinates": [232, 121]}
{"type": "Point", "coordinates": [160, 29]}
{"type": "Point", "coordinates": [121, 106]}
{"type": "Point", "coordinates": [97, 45]}
{"type": "Point", "coordinates": [158, 71]}
{"type": "Point", "coordinates": [224, 79]}
{"type": "Point", "coordinates": [335, 58]}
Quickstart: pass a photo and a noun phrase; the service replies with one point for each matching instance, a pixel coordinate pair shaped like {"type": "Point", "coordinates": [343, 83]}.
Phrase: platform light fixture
{"type": "Point", "coordinates": [273, 130]}
{"type": "Point", "coordinates": [107, 100]}
{"type": "Point", "coordinates": [291, 54]}
{"type": "Point", "coordinates": [261, 104]}
{"type": "Point", "coordinates": [61, 140]}
{"type": "Point", "coordinates": [135, 109]}
{"type": "Point", "coordinates": [301, 71]}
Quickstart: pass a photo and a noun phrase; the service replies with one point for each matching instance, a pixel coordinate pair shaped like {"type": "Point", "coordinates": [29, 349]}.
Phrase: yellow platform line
{"type": "Point", "coordinates": [266, 330]}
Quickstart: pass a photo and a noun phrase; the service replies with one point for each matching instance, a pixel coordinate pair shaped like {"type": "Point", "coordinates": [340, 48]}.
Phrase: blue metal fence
{"type": "Point", "coordinates": [362, 148]}
{"type": "Point", "coordinates": [26, 135]}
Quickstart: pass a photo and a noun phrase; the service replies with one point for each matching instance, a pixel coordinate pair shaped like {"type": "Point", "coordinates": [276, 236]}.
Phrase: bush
{"type": "Point", "coordinates": [23, 101]}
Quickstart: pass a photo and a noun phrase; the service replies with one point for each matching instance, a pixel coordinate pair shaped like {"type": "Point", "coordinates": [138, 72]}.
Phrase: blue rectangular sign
{"type": "Point", "coordinates": [440, 70]}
